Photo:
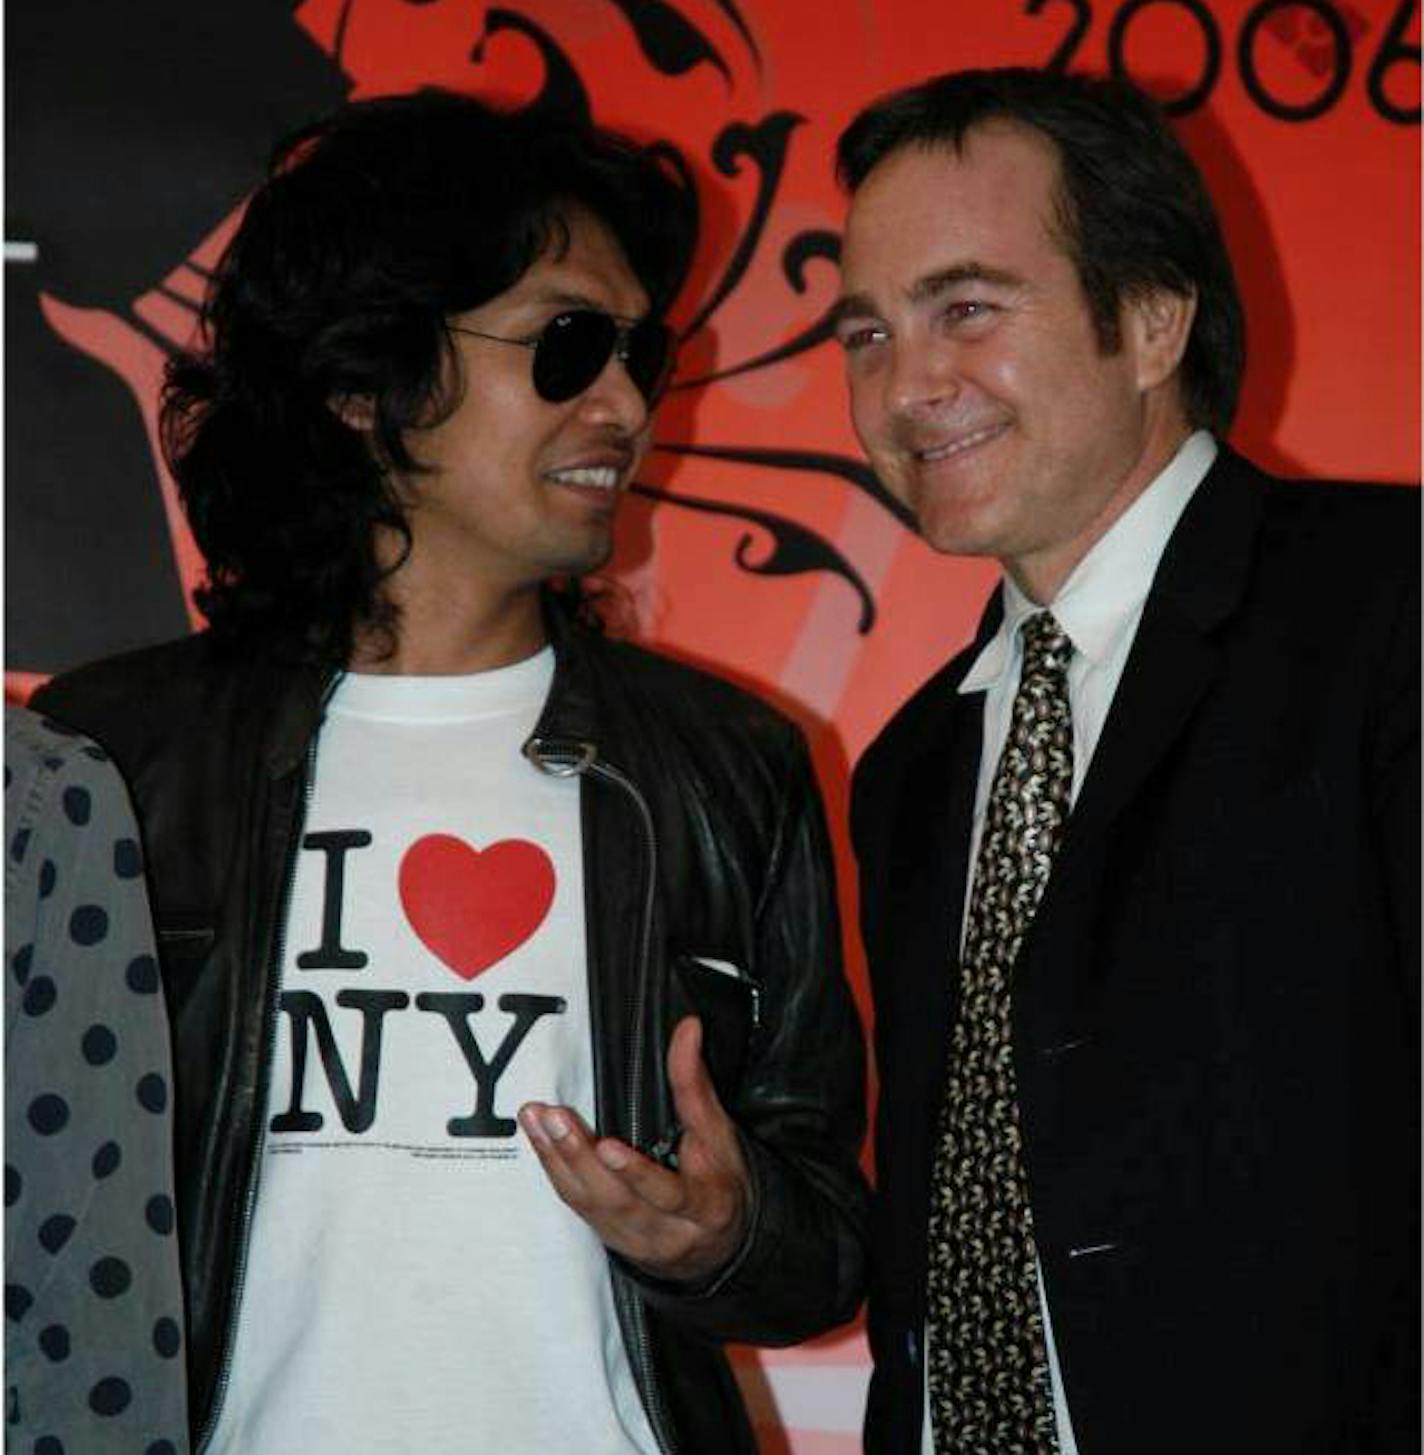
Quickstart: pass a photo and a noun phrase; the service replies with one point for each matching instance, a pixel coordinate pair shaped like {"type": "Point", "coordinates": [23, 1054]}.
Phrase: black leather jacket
{"type": "Point", "coordinates": [703, 836]}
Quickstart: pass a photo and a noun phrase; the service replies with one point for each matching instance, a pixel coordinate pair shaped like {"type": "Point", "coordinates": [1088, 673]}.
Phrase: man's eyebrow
{"type": "Point", "coordinates": [933, 284]}
{"type": "Point", "coordinates": [851, 305]}
{"type": "Point", "coordinates": [571, 298]}
{"type": "Point", "coordinates": [925, 289]}
{"type": "Point", "coordinates": [564, 297]}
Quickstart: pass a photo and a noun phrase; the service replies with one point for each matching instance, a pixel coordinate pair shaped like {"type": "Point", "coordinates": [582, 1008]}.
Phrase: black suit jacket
{"type": "Point", "coordinates": [1216, 1009]}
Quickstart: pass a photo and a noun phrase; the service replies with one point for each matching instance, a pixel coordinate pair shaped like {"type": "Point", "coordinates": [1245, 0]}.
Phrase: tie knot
{"type": "Point", "coordinates": [1046, 645]}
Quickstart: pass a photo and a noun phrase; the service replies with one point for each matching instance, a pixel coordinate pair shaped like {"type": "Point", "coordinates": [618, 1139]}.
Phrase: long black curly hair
{"type": "Point", "coordinates": [374, 226]}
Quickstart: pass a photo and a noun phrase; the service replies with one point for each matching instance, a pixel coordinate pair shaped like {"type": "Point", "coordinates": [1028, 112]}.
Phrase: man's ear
{"type": "Point", "coordinates": [356, 411]}
{"type": "Point", "coordinates": [1159, 323]}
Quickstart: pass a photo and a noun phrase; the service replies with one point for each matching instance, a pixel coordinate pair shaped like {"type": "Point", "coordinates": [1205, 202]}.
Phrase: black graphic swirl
{"type": "Point", "coordinates": [729, 9]}
{"type": "Point", "coordinates": [801, 248]}
{"type": "Point", "coordinates": [670, 43]}
{"type": "Point", "coordinates": [795, 551]}
{"type": "Point", "coordinates": [563, 92]}
{"type": "Point", "coordinates": [817, 462]}
{"type": "Point", "coordinates": [765, 143]}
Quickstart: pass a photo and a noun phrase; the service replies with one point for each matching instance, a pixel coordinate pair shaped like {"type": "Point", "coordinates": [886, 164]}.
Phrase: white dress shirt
{"type": "Point", "coordinates": [1099, 606]}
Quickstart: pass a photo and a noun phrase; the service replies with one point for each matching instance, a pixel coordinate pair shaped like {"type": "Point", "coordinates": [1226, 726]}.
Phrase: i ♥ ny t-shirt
{"type": "Point", "coordinates": [413, 1283]}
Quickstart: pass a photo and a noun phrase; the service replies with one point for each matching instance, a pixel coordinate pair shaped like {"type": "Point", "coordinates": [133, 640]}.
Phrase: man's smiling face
{"type": "Point", "coordinates": [519, 489]}
{"type": "Point", "coordinates": [978, 385]}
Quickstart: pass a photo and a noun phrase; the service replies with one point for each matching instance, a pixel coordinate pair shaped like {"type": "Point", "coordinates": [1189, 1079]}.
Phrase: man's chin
{"type": "Point", "coordinates": [585, 558]}
{"type": "Point", "coordinates": [955, 528]}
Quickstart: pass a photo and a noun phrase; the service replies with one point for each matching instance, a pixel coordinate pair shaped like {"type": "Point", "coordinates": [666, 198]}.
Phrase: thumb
{"type": "Point", "coordinates": [694, 1098]}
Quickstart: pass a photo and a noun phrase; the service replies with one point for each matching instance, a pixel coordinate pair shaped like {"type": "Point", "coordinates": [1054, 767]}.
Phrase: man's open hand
{"type": "Point", "coordinates": [682, 1225]}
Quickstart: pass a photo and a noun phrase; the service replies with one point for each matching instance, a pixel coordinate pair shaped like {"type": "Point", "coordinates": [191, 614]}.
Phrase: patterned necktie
{"type": "Point", "coordinates": [989, 1386]}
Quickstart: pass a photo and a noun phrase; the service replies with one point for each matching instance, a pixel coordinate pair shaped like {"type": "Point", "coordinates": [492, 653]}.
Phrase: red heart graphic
{"type": "Point", "coordinates": [471, 907]}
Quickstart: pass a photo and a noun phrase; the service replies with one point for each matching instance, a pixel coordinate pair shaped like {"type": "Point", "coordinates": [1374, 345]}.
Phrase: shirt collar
{"type": "Point", "coordinates": [1103, 594]}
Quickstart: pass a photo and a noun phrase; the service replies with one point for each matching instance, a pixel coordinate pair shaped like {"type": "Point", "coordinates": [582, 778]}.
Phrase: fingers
{"type": "Point", "coordinates": [709, 1144]}
{"type": "Point", "coordinates": [694, 1098]}
{"type": "Point", "coordinates": [655, 1185]}
{"type": "Point", "coordinates": [633, 1205]}
{"type": "Point", "coordinates": [683, 1223]}
{"type": "Point", "coordinates": [673, 1224]}
{"type": "Point", "coordinates": [597, 1176]}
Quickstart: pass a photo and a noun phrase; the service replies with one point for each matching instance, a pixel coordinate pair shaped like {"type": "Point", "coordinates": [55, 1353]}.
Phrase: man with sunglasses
{"type": "Point", "coordinates": [514, 1066]}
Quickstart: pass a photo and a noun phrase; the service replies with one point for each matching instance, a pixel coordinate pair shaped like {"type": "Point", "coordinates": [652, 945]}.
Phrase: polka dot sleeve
{"type": "Point", "coordinates": [93, 1307]}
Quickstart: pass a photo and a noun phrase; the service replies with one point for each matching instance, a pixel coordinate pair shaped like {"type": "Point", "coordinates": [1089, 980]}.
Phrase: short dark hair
{"type": "Point", "coordinates": [1132, 210]}
{"type": "Point", "coordinates": [374, 226]}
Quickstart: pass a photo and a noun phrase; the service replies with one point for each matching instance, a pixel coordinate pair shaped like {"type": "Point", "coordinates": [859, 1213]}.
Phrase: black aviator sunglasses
{"type": "Point", "coordinates": [573, 349]}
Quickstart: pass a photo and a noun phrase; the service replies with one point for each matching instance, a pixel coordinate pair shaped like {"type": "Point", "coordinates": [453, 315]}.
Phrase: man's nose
{"type": "Point", "coordinates": [924, 374]}
{"type": "Point", "coordinates": [613, 398]}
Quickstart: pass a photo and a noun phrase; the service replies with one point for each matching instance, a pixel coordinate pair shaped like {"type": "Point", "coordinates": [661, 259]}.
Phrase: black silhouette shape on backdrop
{"type": "Point", "coordinates": [132, 132]}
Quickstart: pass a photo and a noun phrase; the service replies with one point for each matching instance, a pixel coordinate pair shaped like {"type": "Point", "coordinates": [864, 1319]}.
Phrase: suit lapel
{"type": "Point", "coordinates": [943, 864]}
{"type": "Point", "coordinates": [1170, 667]}
{"type": "Point", "coordinates": [1175, 656]}
{"type": "Point", "coordinates": [935, 813]}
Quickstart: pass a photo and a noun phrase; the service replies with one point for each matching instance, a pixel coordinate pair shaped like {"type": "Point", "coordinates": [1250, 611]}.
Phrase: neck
{"type": "Point", "coordinates": [437, 636]}
{"type": "Point", "coordinates": [1041, 575]}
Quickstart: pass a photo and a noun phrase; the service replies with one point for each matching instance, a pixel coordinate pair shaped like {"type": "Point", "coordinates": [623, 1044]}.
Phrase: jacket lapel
{"type": "Point", "coordinates": [940, 791]}
{"type": "Point", "coordinates": [1174, 657]}
{"type": "Point", "coordinates": [617, 860]}
{"type": "Point", "coordinates": [929, 846]}
{"type": "Point", "coordinates": [1172, 665]}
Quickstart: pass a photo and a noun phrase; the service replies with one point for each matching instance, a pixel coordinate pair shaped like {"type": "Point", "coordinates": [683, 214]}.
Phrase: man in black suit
{"type": "Point", "coordinates": [1148, 1130]}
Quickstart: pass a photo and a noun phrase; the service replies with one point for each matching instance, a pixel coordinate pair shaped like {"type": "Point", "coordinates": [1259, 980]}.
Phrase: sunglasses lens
{"type": "Point", "coordinates": [649, 360]}
{"type": "Point", "coordinates": [574, 349]}
{"type": "Point", "coordinates": [572, 352]}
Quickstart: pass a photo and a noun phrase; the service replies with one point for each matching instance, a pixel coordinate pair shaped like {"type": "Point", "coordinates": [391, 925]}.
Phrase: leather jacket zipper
{"type": "Point", "coordinates": [274, 979]}
{"type": "Point", "coordinates": [567, 758]}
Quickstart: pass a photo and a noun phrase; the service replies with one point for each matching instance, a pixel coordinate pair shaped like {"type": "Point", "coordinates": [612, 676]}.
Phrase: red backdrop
{"type": "Point", "coordinates": [757, 543]}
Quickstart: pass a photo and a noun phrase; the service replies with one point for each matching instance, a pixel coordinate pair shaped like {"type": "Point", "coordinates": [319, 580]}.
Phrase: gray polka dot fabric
{"type": "Point", "coordinates": [93, 1303]}
{"type": "Point", "coordinates": [989, 1384]}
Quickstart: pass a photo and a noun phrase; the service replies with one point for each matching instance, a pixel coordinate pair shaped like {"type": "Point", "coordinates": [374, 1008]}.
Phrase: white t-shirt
{"type": "Point", "coordinates": [412, 1281]}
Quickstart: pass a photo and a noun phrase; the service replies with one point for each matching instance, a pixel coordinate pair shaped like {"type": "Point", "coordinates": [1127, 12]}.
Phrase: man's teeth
{"type": "Point", "coordinates": [954, 447]}
{"type": "Point", "coordinates": [600, 477]}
